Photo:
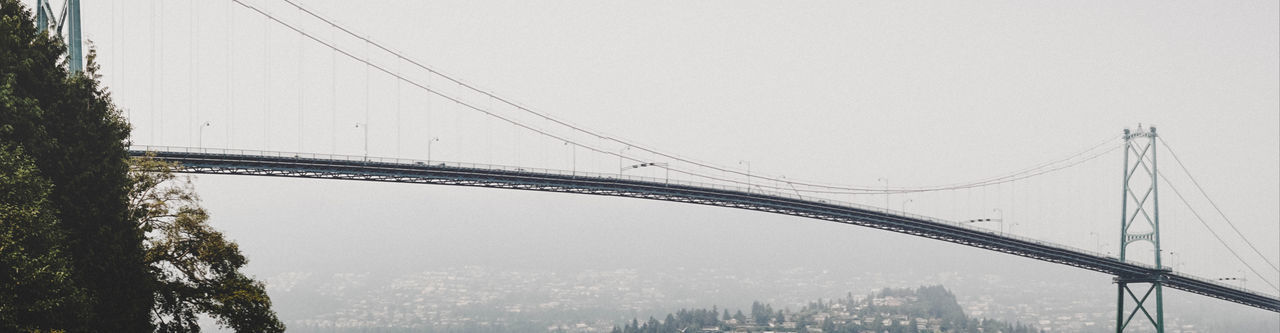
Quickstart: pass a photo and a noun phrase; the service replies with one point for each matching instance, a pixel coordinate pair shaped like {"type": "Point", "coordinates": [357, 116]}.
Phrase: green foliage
{"type": "Point", "coordinates": [681, 321]}
{"type": "Point", "coordinates": [934, 304]}
{"type": "Point", "coordinates": [761, 312]}
{"type": "Point", "coordinates": [67, 125]}
{"type": "Point", "coordinates": [196, 267]}
{"type": "Point", "coordinates": [75, 218]}
{"type": "Point", "coordinates": [36, 290]}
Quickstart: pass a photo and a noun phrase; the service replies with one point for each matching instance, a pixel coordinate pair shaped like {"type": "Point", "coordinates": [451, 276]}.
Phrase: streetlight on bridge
{"type": "Point", "coordinates": [1000, 214]}
{"type": "Point", "coordinates": [365, 126]}
{"type": "Point", "coordinates": [1177, 258]}
{"type": "Point", "coordinates": [886, 191]}
{"type": "Point", "coordinates": [574, 148]}
{"type": "Point", "coordinates": [621, 153]}
{"type": "Point", "coordinates": [200, 141]}
{"type": "Point", "coordinates": [793, 186]}
{"type": "Point", "coordinates": [429, 142]}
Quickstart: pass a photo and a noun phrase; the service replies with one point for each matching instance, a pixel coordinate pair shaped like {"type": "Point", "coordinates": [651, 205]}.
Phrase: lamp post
{"type": "Point", "coordinates": [365, 126]}
{"type": "Point", "coordinates": [573, 147]}
{"type": "Point", "coordinates": [1177, 259]}
{"type": "Point", "coordinates": [748, 163]}
{"type": "Point", "coordinates": [620, 154]}
{"type": "Point", "coordinates": [793, 186]}
{"type": "Point", "coordinates": [886, 191]}
{"type": "Point", "coordinates": [904, 204]}
{"type": "Point", "coordinates": [200, 141]}
{"type": "Point", "coordinates": [429, 142]}
{"type": "Point", "coordinates": [1001, 218]}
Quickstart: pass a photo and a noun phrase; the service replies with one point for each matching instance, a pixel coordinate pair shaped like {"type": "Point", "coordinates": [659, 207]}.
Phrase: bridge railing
{"type": "Point", "coordinates": [652, 180]}
{"type": "Point", "coordinates": [600, 175]}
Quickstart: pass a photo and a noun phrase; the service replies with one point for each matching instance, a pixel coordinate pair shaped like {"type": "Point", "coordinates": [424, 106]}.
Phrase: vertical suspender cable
{"type": "Point", "coordinates": [488, 138]}
{"type": "Point", "coordinates": [266, 85]}
{"type": "Point", "coordinates": [301, 99]}
{"type": "Point", "coordinates": [333, 97]}
{"type": "Point", "coordinates": [367, 65]}
{"type": "Point", "coordinates": [115, 56]}
{"type": "Point", "coordinates": [230, 68]}
{"type": "Point", "coordinates": [430, 132]}
{"type": "Point", "coordinates": [1215, 205]}
{"type": "Point", "coordinates": [1215, 234]}
{"type": "Point", "coordinates": [160, 62]}
{"type": "Point", "coordinates": [191, 72]}
{"type": "Point", "coordinates": [154, 36]}
{"type": "Point", "coordinates": [118, 50]}
{"type": "Point", "coordinates": [398, 108]}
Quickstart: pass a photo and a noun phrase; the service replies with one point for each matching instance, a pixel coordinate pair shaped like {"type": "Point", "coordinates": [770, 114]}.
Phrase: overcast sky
{"type": "Point", "coordinates": [919, 93]}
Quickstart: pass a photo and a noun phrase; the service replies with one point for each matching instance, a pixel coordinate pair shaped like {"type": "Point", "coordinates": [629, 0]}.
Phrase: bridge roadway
{"type": "Point", "coordinates": [345, 167]}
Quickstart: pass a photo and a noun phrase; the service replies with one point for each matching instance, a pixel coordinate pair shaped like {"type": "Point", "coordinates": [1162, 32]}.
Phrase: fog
{"type": "Point", "coordinates": [918, 93]}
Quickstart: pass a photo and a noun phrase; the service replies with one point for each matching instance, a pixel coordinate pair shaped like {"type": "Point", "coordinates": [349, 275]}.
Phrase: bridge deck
{"type": "Point", "coordinates": [244, 162]}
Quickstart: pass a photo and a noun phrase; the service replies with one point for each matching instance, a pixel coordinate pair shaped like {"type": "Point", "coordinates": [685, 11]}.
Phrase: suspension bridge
{"type": "Point", "coordinates": [681, 179]}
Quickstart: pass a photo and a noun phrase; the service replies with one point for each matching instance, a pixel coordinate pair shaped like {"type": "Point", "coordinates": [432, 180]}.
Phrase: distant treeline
{"type": "Point", "coordinates": [925, 309]}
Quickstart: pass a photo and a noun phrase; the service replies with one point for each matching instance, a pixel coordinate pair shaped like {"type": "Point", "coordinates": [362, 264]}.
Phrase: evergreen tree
{"type": "Point", "coordinates": [196, 268]}
{"type": "Point", "coordinates": [75, 218]}
{"type": "Point", "coordinates": [66, 123]}
{"type": "Point", "coordinates": [36, 290]}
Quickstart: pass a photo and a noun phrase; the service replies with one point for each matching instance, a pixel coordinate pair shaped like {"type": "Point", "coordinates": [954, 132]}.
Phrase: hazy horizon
{"type": "Point", "coordinates": [918, 93]}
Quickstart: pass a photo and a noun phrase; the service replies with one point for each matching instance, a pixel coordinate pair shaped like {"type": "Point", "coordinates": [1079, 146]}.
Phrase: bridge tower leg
{"type": "Point", "coordinates": [70, 18]}
{"type": "Point", "coordinates": [75, 56]}
{"type": "Point", "coordinates": [42, 15]}
{"type": "Point", "coordinates": [1140, 189]}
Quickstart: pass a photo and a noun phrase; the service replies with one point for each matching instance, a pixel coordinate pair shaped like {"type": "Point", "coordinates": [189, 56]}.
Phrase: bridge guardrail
{"type": "Point", "coordinates": [598, 175]}
{"type": "Point", "coordinates": [652, 180]}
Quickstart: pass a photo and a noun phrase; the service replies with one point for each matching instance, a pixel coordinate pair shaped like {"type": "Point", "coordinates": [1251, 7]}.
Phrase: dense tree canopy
{"type": "Point", "coordinates": [35, 287]}
{"type": "Point", "coordinates": [86, 245]}
{"type": "Point", "coordinates": [77, 140]}
{"type": "Point", "coordinates": [196, 267]}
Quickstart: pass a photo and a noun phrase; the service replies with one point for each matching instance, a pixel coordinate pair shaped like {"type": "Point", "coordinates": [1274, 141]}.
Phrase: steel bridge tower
{"type": "Point", "coordinates": [1140, 222]}
{"type": "Point", "coordinates": [69, 18]}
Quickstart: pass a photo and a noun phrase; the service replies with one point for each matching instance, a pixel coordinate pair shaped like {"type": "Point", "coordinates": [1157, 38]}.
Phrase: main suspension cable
{"type": "Point", "coordinates": [1215, 234]}
{"type": "Point", "coordinates": [1215, 205]}
{"type": "Point", "coordinates": [825, 188]}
